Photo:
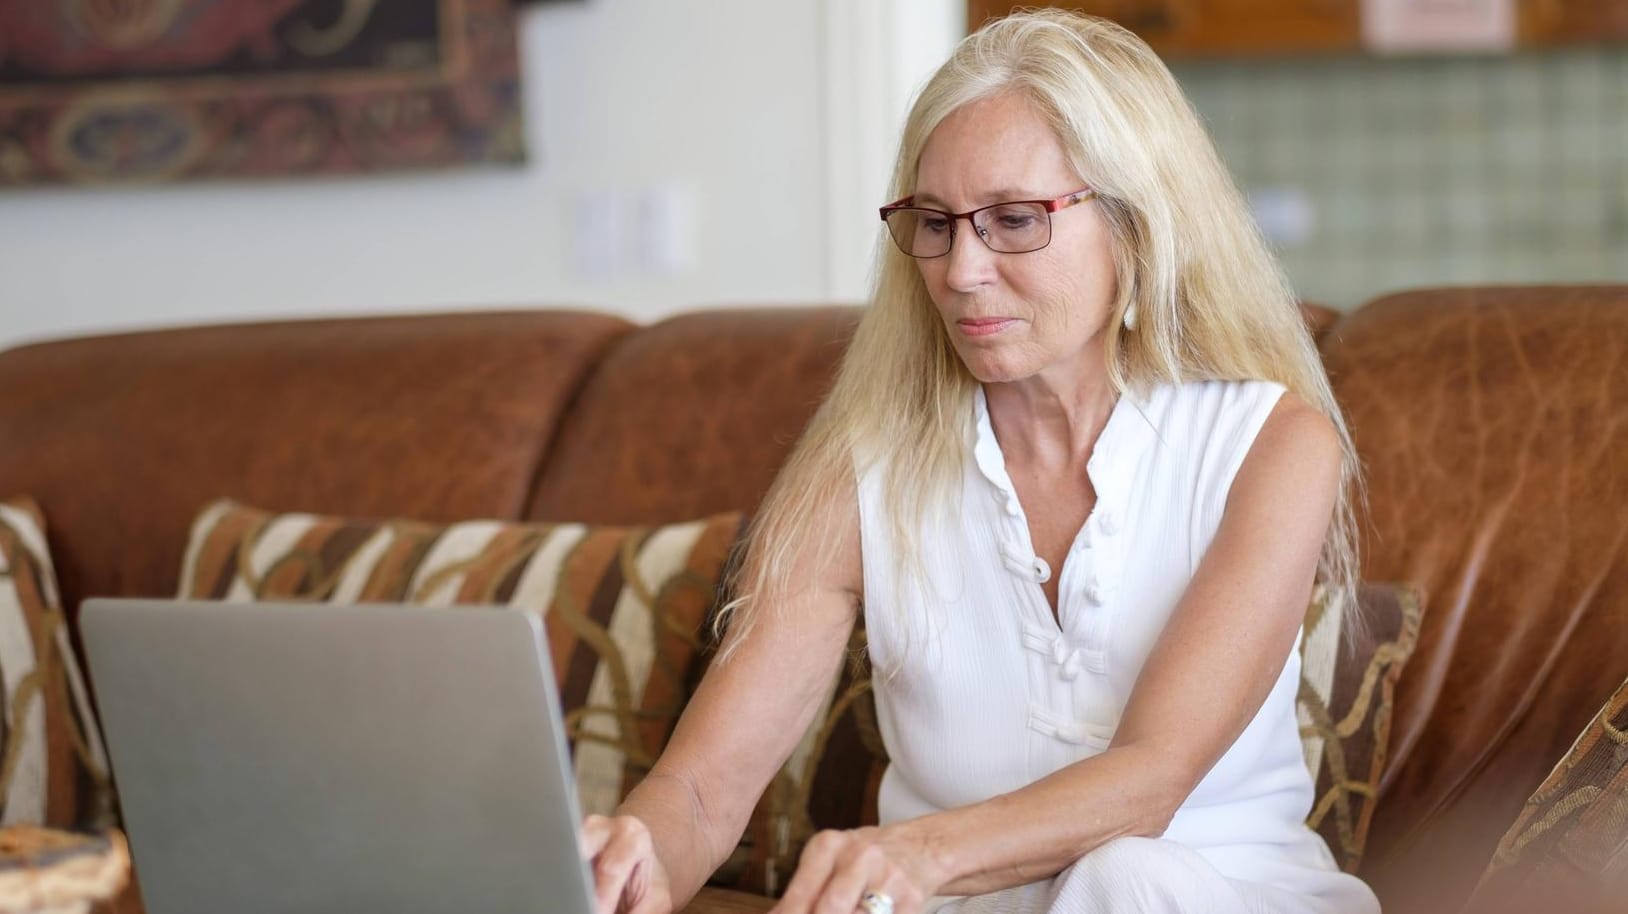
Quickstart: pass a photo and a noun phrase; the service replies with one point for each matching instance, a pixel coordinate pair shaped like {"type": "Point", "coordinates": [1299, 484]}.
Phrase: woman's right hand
{"type": "Point", "coordinates": [628, 877]}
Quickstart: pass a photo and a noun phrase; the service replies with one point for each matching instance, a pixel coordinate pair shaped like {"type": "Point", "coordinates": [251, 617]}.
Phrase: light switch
{"type": "Point", "coordinates": [597, 233]}
{"type": "Point", "coordinates": [667, 228]}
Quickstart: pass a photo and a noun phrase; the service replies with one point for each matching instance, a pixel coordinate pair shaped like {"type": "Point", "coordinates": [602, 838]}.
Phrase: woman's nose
{"type": "Point", "coordinates": [971, 262]}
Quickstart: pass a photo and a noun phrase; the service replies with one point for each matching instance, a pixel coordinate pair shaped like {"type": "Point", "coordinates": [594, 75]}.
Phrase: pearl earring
{"type": "Point", "coordinates": [1130, 316]}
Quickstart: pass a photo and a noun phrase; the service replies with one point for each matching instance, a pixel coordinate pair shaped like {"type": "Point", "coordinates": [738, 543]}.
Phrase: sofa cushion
{"type": "Point", "coordinates": [1568, 849]}
{"type": "Point", "coordinates": [1348, 674]}
{"type": "Point", "coordinates": [666, 422]}
{"type": "Point", "coordinates": [54, 770]}
{"type": "Point", "coordinates": [621, 606]}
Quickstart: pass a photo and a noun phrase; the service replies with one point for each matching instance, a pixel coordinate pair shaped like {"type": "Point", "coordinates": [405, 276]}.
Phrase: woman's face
{"type": "Point", "coordinates": [1015, 316]}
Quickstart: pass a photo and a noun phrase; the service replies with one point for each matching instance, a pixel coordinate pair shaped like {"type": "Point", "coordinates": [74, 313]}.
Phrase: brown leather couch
{"type": "Point", "coordinates": [1493, 424]}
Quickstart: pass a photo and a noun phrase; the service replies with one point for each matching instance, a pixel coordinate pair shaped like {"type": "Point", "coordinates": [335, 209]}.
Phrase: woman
{"type": "Point", "coordinates": [1079, 472]}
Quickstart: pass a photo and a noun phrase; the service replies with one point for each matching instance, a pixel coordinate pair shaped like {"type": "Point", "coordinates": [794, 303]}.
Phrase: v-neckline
{"type": "Point", "coordinates": [991, 462]}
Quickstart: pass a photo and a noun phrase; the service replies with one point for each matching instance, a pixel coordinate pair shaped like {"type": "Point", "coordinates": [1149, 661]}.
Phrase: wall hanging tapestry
{"type": "Point", "coordinates": [149, 90]}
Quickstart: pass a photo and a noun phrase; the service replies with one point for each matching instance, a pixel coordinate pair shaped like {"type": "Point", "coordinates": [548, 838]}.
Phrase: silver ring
{"type": "Point", "coordinates": [876, 903]}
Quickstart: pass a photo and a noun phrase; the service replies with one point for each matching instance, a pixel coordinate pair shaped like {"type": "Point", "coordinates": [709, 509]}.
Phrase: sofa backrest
{"type": "Point", "coordinates": [1493, 424]}
{"type": "Point", "coordinates": [122, 439]}
{"type": "Point", "coordinates": [695, 414]}
{"type": "Point", "coordinates": [692, 415]}
{"type": "Point", "coordinates": [546, 415]}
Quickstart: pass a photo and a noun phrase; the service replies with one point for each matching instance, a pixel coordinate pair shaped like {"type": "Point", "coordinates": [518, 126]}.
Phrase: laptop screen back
{"type": "Point", "coordinates": [281, 758]}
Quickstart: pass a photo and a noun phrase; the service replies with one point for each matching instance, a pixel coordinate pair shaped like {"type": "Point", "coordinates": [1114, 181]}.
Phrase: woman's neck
{"type": "Point", "coordinates": [1047, 422]}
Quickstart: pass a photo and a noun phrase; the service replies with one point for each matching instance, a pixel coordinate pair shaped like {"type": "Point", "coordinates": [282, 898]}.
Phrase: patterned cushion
{"type": "Point", "coordinates": [1344, 706]}
{"type": "Point", "coordinates": [46, 869]}
{"type": "Point", "coordinates": [54, 770]}
{"type": "Point", "coordinates": [621, 606]}
{"type": "Point", "coordinates": [1348, 679]}
{"type": "Point", "coordinates": [1568, 849]}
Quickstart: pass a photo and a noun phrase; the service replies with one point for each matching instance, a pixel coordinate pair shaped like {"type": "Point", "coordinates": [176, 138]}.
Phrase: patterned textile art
{"type": "Point", "coordinates": [1568, 849]}
{"type": "Point", "coordinates": [1344, 706]}
{"type": "Point", "coordinates": [147, 90]}
{"type": "Point", "coordinates": [622, 607]}
{"type": "Point", "coordinates": [53, 769]}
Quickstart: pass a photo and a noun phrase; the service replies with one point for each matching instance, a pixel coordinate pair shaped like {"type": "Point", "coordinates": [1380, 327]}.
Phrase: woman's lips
{"type": "Point", "coordinates": [984, 326]}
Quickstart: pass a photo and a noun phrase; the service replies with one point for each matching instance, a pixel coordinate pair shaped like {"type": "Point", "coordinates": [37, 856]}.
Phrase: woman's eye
{"type": "Point", "coordinates": [1016, 221]}
{"type": "Point", "coordinates": [936, 225]}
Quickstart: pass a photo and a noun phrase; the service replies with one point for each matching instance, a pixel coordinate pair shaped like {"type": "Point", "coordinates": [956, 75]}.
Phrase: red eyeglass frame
{"type": "Point", "coordinates": [1051, 206]}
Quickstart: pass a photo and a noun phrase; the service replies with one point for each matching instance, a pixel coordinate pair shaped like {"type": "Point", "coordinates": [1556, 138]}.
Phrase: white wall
{"type": "Point", "coordinates": [769, 123]}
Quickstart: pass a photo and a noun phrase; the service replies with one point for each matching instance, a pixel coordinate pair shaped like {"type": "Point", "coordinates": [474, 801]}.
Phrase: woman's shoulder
{"type": "Point", "coordinates": [1205, 402]}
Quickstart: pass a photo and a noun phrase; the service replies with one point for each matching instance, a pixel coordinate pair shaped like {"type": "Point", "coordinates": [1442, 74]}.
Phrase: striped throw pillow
{"type": "Point", "coordinates": [623, 607]}
{"type": "Point", "coordinates": [53, 769]}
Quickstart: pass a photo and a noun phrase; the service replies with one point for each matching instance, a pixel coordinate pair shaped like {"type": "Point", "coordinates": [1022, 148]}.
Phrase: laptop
{"type": "Point", "coordinates": [355, 759]}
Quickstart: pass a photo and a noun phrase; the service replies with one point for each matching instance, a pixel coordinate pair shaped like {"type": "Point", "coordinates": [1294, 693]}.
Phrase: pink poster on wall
{"type": "Point", "coordinates": [1402, 26]}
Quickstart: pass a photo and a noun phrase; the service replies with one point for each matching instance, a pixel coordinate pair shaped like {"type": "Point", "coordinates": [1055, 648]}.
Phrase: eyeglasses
{"type": "Point", "coordinates": [1017, 227]}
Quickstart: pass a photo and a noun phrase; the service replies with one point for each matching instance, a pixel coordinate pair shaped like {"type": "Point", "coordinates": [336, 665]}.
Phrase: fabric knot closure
{"type": "Point", "coordinates": [1055, 647]}
{"type": "Point", "coordinates": [1095, 592]}
{"type": "Point", "coordinates": [1108, 522]}
{"type": "Point", "coordinates": [1071, 666]}
{"type": "Point", "coordinates": [1069, 731]}
{"type": "Point", "coordinates": [1025, 564]}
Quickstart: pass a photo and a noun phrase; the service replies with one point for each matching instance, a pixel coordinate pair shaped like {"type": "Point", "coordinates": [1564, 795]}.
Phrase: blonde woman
{"type": "Point", "coordinates": [1080, 472]}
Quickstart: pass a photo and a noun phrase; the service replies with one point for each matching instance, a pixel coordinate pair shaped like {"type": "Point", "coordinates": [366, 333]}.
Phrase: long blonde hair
{"type": "Point", "coordinates": [1211, 301]}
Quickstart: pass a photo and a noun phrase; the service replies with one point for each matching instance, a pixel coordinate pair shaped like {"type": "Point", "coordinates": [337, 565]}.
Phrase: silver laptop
{"type": "Point", "coordinates": [390, 759]}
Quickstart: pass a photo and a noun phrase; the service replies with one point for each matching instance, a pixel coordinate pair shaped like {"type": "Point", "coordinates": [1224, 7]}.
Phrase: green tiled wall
{"type": "Point", "coordinates": [1432, 170]}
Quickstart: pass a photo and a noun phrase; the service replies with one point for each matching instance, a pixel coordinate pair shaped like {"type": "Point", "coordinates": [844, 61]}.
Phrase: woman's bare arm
{"type": "Point", "coordinates": [749, 713]}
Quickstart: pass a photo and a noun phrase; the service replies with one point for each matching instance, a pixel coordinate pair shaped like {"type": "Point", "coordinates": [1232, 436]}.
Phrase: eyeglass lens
{"type": "Point", "coordinates": [1010, 228]}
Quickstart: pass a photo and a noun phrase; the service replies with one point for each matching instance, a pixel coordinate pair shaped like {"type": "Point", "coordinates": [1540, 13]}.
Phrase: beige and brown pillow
{"type": "Point", "coordinates": [623, 607]}
{"type": "Point", "coordinates": [1349, 666]}
{"type": "Point", "coordinates": [1568, 849]}
{"type": "Point", "coordinates": [1347, 681]}
{"type": "Point", "coordinates": [53, 769]}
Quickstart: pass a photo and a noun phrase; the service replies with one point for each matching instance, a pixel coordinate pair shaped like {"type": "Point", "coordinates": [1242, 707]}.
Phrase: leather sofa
{"type": "Point", "coordinates": [1493, 424]}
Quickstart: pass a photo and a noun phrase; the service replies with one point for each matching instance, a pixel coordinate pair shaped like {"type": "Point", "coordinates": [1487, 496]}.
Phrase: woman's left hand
{"type": "Point", "coordinates": [838, 867]}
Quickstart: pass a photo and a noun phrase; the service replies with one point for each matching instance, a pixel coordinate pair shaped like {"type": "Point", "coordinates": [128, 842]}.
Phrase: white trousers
{"type": "Point", "coordinates": [1150, 876]}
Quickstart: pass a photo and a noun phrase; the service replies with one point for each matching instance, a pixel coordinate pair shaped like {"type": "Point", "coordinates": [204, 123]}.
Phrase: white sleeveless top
{"type": "Point", "coordinates": [988, 693]}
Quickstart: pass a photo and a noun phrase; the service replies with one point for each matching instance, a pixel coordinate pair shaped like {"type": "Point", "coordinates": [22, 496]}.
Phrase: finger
{"type": "Point", "coordinates": [638, 887]}
{"type": "Point", "coordinates": [628, 847]}
{"type": "Point", "coordinates": [813, 870]}
{"type": "Point", "coordinates": [609, 882]}
{"type": "Point", "coordinates": [658, 900]}
{"type": "Point", "coordinates": [860, 869]}
{"type": "Point", "coordinates": [907, 898]}
{"type": "Point", "coordinates": [595, 832]}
